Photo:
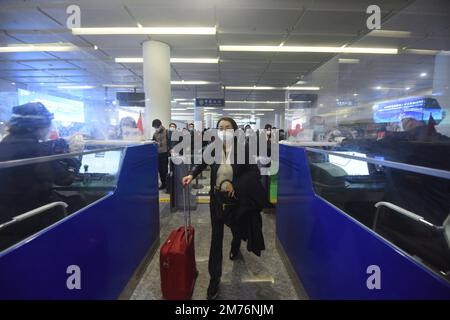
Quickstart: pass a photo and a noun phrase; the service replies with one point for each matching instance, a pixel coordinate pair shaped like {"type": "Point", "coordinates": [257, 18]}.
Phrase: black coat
{"type": "Point", "coordinates": [247, 219]}
{"type": "Point", "coordinates": [27, 187]}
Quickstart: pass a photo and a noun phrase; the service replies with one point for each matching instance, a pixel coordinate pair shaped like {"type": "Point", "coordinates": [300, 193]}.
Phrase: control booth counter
{"type": "Point", "coordinates": [100, 217]}
{"type": "Point", "coordinates": [341, 215]}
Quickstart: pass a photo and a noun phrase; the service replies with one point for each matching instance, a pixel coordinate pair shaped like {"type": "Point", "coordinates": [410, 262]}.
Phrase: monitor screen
{"type": "Point", "coordinates": [64, 110]}
{"type": "Point", "coordinates": [351, 167]}
{"type": "Point", "coordinates": [102, 162]}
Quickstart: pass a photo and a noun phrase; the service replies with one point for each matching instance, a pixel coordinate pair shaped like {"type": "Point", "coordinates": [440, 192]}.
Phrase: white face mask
{"type": "Point", "coordinates": [226, 136]}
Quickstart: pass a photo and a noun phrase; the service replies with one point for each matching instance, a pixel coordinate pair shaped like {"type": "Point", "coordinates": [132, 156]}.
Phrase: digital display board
{"type": "Point", "coordinates": [419, 108]}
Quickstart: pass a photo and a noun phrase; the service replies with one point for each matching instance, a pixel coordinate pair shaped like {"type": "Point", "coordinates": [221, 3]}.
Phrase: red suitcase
{"type": "Point", "coordinates": [177, 260]}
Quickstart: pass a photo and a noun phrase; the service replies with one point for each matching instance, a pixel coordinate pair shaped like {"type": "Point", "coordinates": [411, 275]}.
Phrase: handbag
{"type": "Point", "coordinates": [226, 205]}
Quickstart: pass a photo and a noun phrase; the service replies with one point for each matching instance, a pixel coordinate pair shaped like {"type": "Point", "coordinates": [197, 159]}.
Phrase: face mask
{"type": "Point", "coordinates": [226, 136]}
{"type": "Point", "coordinates": [172, 129]}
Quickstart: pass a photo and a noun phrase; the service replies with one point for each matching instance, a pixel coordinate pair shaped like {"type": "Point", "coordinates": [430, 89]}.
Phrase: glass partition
{"type": "Point", "coordinates": [37, 192]}
{"type": "Point", "coordinates": [407, 205]}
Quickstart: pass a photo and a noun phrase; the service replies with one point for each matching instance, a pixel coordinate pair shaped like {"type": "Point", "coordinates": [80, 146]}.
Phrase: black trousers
{"type": "Point", "coordinates": [163, 162]}
{"type": "Point", "coordinates": [215, 252]}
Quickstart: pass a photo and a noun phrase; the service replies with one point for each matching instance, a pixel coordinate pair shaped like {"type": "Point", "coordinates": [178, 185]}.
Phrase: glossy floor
{"type": "Point", "coordinates": [249, 277]}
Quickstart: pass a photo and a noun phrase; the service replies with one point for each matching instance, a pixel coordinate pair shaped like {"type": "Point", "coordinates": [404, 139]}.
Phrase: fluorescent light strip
{"type": "Point", "coordinates": [172, 60]}
{"type": "Point", "coordinates": [271, 88]}
{"type": "Point", "coordinates": [42, 47]}
{"type": "Point", "coordinates": [246, 114]}
{"type": "Point", "coordinates": [254, 102]}
{"type": "Point", "coordinates": [309, 49]}
{"type": "Point", "coordinates": [389, 34]}
{"type": "Point", "coordinates": [156, 30]}
{"type": "Point", "coordinates": [350, 61]}
{"type": "Point", "coordinates": [121, 85]}
{"type": "Point", "coordinates": [187, 103]}
{"type": "Point", "coordinates": [192, 83]}
{"type": "Point", "coordinates": [76, 87]}
{"type": "Point", "coordinates": [246, 109]}
{"type": "Point", "coordinates": [194, 60]}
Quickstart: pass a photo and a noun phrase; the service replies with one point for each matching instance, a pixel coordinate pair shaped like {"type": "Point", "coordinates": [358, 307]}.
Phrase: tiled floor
{"type": "Point", "coordinates": [249, 277]}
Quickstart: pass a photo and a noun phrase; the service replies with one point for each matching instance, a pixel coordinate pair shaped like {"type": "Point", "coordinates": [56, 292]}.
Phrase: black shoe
{"type": "Point", "coordinates": [213, 289]}
{"type": "Point", "coordinates": [162, 187]}
{"type": "Point", "coordinates": [234, 254]}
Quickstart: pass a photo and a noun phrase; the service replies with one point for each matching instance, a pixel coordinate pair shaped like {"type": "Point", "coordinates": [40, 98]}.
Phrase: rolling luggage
{"type": "Point", "coordinates": [177, 259]}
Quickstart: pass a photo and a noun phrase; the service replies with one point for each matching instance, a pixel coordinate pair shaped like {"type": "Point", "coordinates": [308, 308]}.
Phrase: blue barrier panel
{"type": "Point", "coordinates": [330, 251]}
{"type": "Point", "coordinates": [107, 240]}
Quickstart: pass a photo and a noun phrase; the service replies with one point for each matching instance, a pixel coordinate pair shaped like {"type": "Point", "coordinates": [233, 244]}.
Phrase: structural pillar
{"type": "Point", "coordinates": [156, 85]}
{"type": "Point", "coordinates": [198, 118]}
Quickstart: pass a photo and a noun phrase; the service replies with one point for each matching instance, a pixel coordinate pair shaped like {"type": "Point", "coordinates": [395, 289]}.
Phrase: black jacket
{"type": "Point", "coordinates": [27, 187]}
{"type": "Point", "coordinates": [252, 198]}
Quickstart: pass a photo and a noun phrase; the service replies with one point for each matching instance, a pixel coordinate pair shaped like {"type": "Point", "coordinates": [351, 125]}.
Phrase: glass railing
{"type": "Point", "coordinates": [408, 205]}
{"type": "Point", "coordinates": [35, 193]}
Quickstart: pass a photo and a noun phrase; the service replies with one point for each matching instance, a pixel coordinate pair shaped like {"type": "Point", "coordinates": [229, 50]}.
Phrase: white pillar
{"type": "Point", "coordinates": [198, 118]}
{"type": "Point", "coordinates": [208, 121]}
{"type": "Point", "coordinates": [156, 84]}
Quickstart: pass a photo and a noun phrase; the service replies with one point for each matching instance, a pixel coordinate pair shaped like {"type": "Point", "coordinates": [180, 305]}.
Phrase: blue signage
{"type": "Point", "coordinates": [209, 102]}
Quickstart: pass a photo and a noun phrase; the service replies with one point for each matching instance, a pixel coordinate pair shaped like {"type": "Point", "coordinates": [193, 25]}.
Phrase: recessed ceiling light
{"type": "Point", "coordinates": [120, 85]}
{"type": "Point", "coordinates": [378, 88]}
{"type": "Point", "coordinates": [13, 83]}
{"type": "Point", "coordinates": [76, 87]}
{"type": "Point", "coordinates": [137, 30]}
{"type": "Point", "coordinates": [355, 94]}
{"type": "Point", "coordinates": [246, 109]}
{"type": "Point", "coordinates": [407, 88]}
{"type": "Point", "coordinates": [389, 34]}
{"type": "Point", "coordinates": [317, 49]}
{"type": "Point", "coordinates": [41, 47]}
{"type": "Point", "coordinates": [182, 82]}
{"type": "Point", "coordinates": [270, 88]}
{"type": "Point", "coordinates": [95, 47]}
{"type": "Point", "coordinates": [346, 60]}
{"type": "Point", "coordinates": [423, 74]}
{"type": "Point", "coordinates": [172, 60]}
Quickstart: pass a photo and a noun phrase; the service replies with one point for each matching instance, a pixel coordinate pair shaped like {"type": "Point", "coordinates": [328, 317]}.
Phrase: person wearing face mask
{"type": "Point", "coordinates": [161, 137]}
{"type": "Point", "coordinates": [24, 188]}
{"type": "Point", "coordinates": [236, 199]}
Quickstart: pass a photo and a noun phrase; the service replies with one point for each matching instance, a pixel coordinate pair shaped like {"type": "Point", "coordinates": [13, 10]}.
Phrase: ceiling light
{"type": "Point", "coordinates": [120, 85]}
{"type": "Point", "coordinates": [246, 109]}
{"type": "Point", "coordinates": [407, 88]}
{"type": "Point", "coordinates": [423, 74]}
{"type": "Point", "coordinates": [350, 61]}
{"type": "Point", "coordinates": [194, 60]}
{"type": "Point", "coordinates": [178, 109]}
{"type": "Point", "coordinates": [389, 34]}
{"type": "Point", "coordinates": [42, 47]}
{"type": "Point", "coordinates": [355, 94]}
{"type": "Point", "coordinates": [254, 102]}
{"type": "Point", "coordinates": [137, 30]}
{"type": "Point", "coordinates": [129, 60]}
{"type": "Point", "coordinates": [183, 99]}
{"type": "Point", "coordinates": [13, 83]}
{"type": "Point", "coordinates": [303, 88]}
{"type": "Point", "coordinates": [182, 82]}
{"type": "Point", "coordinates": [95, 47]}
{"type": "Point", "coordinates": [378, 88]}
{"type": "Point", "coordinates": [187, 103]}
{"type": "Point", "coordinates": [270, 88]}
{"type": "Point", "coordinates": [76, 87]}
{"type": "Point", "coordinates": [309, 49]}
{"type": "Point", "coordinates": [172, 60]}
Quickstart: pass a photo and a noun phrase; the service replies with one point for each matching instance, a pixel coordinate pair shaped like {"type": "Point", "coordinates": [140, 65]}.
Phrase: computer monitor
{"type": "Point", "coordinates": [102, 162]}
{"type": "Point", "coordinates": [352, 167]}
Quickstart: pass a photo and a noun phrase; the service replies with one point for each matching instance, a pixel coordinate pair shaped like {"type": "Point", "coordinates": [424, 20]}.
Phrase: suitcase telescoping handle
{"type": "Point", "coordinates": [187, 213]}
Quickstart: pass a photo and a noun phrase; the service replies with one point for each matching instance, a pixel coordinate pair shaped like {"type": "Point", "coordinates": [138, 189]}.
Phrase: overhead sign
{"type": "Point", "coordinates": [209, 102]}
